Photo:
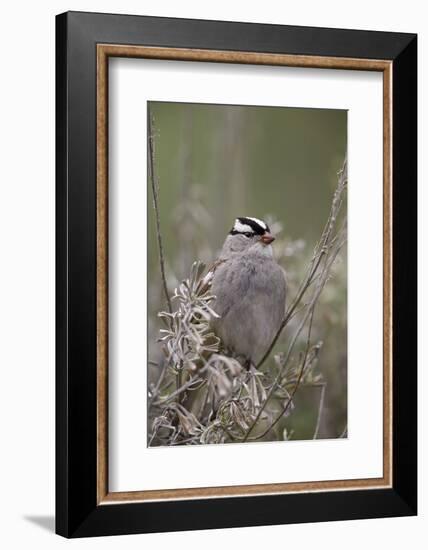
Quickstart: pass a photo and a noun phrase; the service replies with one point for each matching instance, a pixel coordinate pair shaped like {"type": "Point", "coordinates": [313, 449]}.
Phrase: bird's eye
{"type": "Point", "coordinates": [248, 234]}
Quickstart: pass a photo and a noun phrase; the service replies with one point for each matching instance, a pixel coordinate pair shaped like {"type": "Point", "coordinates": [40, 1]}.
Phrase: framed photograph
{"type": "Point", "coordinates": [236, 274]}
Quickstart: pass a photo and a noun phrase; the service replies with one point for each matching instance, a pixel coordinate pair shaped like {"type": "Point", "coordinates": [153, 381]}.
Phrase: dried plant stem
{"type": "Point", "coordinates": [192, 382]}
{"type": "Point", "coordinates": [158, 383]}
{"type": "Point", "coordinates": [155, 186]}
{"type": "Point", "coordinates": [154, 183]}
{"type": "Point", "coordinates": [179, 381]}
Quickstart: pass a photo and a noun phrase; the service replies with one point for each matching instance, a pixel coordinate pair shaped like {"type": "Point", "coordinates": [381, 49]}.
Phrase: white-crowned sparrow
{"type": "Point", "coordinates": [250, 289]}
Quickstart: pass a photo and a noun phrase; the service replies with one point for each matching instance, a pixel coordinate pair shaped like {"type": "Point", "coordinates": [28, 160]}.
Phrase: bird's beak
{"type": "Point", "coordinates": [267, 238]}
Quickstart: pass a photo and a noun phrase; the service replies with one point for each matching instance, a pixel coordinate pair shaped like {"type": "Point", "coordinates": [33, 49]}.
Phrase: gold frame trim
{"type": "Point", "coordinates": [104, 51]}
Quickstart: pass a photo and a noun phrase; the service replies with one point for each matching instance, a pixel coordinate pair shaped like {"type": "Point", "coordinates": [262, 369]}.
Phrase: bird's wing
{"type": "Point", "coordinates": [206, 280]}
{"type": "Point", "coordinates": [230, 284]}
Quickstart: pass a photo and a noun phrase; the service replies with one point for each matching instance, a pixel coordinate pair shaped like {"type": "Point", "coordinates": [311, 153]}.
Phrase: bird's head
{"type": "Point", "coordinates": [249, 232]}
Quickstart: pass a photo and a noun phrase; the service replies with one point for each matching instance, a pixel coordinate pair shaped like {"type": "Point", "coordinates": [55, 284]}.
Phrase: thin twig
{"type": "Point", "coordinates": [192, 382]}
{"type": "Point", "coordinates": [150, 123]}
{"type": "Point", "coordinates": [156, 389]}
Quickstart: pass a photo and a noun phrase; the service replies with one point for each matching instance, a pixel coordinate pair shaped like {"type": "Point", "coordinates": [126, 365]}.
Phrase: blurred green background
{"type": "Point", "coordinates": [216, 162]}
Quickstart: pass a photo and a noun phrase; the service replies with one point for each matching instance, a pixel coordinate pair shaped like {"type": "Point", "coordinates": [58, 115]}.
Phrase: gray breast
{"type": "Point", "coordinates": [250, 299]}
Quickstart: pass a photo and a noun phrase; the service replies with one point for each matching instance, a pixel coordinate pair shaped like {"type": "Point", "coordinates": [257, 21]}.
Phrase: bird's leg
{"type": "Point", "coordinates": [249, 365]}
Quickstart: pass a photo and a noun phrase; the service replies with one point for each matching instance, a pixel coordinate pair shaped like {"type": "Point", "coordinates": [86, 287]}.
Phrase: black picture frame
{"type": "Point", "coordinates": [77, 511]}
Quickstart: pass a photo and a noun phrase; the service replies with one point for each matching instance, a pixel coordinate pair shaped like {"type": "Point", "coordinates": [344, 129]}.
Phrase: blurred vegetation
{"type": "Point", "coordinates": [215, 163]}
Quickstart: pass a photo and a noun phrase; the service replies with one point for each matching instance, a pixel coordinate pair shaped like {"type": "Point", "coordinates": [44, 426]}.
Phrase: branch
{"type": "Point", "coordinates": [150, 124]}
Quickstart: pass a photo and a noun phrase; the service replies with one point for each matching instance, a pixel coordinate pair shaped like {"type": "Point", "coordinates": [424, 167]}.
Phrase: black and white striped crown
{"type": "Point", "coordinates": [245, 225]}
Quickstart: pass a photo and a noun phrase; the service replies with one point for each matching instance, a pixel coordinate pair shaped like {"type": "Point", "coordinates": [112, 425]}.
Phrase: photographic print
{"type": "Point", "coordinates": [247, 274]}
{"type": "Point", "coordinates": [208, 302]}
